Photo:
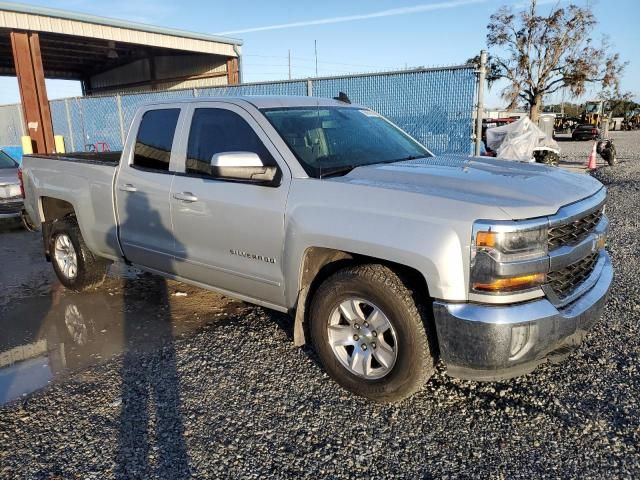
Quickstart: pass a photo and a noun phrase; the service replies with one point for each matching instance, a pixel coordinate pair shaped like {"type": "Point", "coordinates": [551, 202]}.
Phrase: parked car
{"type": "Point", "coordinates": [585, 132]}
{"type": "Point", "coordinates": [11, 201]}
{"type": "Point", "coordinates": [387, 256]}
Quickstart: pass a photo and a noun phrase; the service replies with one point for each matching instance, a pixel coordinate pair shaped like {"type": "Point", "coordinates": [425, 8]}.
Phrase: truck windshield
{"type": "Point", "coordinates": [334, 140]}
{"type": "Point", "coordinates": [6, 161]}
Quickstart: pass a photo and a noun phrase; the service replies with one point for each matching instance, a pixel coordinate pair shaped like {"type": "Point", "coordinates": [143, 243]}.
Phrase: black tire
{"type": "Point", "coordinates": [612, 158]}
{"type": "Point", "coordinates": [384, 288]}
{"type": "Point", "coordinates": [91, 270]}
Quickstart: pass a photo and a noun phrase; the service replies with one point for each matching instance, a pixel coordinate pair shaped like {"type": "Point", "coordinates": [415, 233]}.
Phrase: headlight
{"type": "Point", "coordinates": [494, 250]}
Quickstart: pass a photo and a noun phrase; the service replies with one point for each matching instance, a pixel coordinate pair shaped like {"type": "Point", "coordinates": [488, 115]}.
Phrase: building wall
{"type": "Point", "coordinates": [171, 72]}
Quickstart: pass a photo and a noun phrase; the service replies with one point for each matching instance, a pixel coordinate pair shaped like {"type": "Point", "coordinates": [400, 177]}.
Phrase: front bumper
{"type": "Point", "coordinates": [487, 342]}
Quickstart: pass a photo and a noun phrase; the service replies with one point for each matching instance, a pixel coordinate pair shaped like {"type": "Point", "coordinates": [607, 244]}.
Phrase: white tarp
{"type": "Point", "coordinates": [518, 140]}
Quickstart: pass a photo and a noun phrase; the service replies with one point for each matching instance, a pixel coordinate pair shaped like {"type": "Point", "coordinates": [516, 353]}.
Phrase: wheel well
{"type": "Point", "coordinates": [320, 263]}
{"type": "Point", "coordinates": [55, 209]}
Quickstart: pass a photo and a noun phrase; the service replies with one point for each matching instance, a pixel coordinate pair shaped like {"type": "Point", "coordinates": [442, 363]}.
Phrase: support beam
{"type": "Point", "coordinates": [233, 77]}
{"type": "Point", "coordinates": [33, 92]}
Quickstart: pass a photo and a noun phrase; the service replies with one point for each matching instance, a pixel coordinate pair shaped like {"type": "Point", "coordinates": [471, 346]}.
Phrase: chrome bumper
{"type": "Point", "coordinates": [11, 209]}
{"type": "Point", "coordinates": [488, 342]}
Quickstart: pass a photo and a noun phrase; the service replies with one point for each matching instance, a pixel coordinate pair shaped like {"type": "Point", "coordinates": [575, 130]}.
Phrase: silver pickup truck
{"type": "Point", "coordinates": [388, 257]}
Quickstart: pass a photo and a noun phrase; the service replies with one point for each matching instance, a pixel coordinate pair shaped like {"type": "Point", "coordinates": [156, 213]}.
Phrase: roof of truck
{"type": "Point", "coordinates": [266, 101]}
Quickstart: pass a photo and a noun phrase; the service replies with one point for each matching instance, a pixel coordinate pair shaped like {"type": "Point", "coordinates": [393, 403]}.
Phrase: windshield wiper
{"type": "Point", "coordinates": [406, 159]}
{"type": "Point", "coordinates": [336, 171]}
{"type": "Point", "coordinates": [344, 169]}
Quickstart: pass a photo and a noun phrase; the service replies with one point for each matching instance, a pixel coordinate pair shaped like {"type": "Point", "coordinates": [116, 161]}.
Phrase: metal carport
{"type": "Point", "coordinates": [106, 56]}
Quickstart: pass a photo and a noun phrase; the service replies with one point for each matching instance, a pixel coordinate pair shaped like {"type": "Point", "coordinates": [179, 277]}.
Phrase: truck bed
{"type": "Point", "coordinates": [84, 180]}
{"type": "Point", "coordinates": [97, 158]}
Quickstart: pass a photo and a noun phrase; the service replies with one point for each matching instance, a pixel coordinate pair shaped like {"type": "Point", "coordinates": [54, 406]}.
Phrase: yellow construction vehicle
{"type": "Point", "coordinates": [593, 113]}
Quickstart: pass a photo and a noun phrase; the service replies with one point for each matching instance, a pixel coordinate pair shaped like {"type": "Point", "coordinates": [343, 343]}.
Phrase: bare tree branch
{"type": "Point", "coordinates": [538, 55]}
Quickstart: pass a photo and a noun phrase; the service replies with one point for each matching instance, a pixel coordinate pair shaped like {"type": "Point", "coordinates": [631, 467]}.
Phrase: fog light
{"type": "Point", "coordinates": [523, 337]}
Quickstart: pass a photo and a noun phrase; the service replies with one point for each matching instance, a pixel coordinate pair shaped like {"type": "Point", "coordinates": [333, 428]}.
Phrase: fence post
{"type": "Point", "coordinates": [121, 118]}
{"type": "Point", "coordinates": [195, 93]}
{"type": "Point", "coordinates": [309, 88]}
{"type": "Point", "coordinates": [21, 117]}
{"type": "Point", "coordinates": [482, 74]}
{"type": "Point", "coordinates": [69, 124]}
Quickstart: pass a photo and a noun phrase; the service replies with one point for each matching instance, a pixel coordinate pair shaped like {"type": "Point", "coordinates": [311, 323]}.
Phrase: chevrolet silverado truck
{"type": "Point", "coordinates": [388, 257]}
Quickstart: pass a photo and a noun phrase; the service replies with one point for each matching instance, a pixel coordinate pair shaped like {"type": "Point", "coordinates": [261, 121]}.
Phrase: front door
{"type": "Point", "coordinates": [229, 234]}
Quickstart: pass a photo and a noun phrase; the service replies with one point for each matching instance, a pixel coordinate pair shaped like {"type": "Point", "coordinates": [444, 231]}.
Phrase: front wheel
{"type": "Point", "coordinates": [370, 333]}
{"type": "Point", "coordinates": [75, 265]}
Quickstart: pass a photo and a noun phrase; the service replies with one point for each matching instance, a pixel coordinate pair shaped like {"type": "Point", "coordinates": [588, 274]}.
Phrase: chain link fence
{"type": "Point", "coordinates": [434, 105]}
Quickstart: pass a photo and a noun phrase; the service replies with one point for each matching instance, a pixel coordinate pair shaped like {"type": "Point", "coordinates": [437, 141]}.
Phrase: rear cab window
{"type": "Point", "coordinates": [152, 149]}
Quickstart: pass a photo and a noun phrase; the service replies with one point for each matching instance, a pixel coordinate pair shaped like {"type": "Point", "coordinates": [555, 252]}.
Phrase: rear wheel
{"type": "Point", "coordinates": [369, 333]}
{"type": "Point", "coordinates": [75, 265]}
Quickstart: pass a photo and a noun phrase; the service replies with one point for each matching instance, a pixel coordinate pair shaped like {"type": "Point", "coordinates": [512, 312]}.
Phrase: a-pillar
{"type": "Point", "coordinates": [33, 92]}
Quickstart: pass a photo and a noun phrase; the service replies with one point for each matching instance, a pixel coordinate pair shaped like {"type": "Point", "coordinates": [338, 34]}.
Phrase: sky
{"type": "Point", "coordinates": [351, 36]}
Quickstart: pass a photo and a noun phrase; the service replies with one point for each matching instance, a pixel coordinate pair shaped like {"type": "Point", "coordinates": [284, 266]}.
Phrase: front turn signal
{"type": "Point", "coordinates": [511, 284]}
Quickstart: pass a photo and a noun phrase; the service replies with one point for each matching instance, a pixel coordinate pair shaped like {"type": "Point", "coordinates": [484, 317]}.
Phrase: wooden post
{"type": "Point", "coordinates": [33, 91]}
{"type": "Point", "coordinates": [232, 71]}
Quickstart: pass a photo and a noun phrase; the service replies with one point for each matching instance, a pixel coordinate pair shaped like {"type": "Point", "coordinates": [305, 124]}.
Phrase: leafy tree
{"type": "Point", "coordinates": [570, 109]}
{"type": "Point", "coordinates": [538, 55]}
{"type": "Point", "coordinates": [619, 104]}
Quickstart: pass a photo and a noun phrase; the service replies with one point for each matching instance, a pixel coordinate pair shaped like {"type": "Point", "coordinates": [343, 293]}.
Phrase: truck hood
{"type": "Point", "coordinates": [521, 190]}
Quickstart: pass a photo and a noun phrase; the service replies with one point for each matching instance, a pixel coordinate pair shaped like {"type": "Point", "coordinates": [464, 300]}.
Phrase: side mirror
{"type": "Point", "coordinates": [245, 166]}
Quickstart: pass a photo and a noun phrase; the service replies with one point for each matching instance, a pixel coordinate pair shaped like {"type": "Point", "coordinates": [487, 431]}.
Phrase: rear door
{"type": "Point", "coordinates": [143, 187]}
{"type": "Point", "coordinates": [230, 234]}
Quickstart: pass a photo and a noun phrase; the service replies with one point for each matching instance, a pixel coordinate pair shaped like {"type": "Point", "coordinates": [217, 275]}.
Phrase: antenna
{"type": "Point", "coordinates": [315, 46]}
{"type": "Point", "coordinates": [289, 64]}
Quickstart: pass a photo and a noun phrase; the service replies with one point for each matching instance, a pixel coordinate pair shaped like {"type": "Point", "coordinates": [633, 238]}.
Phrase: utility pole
{"type": "Point", "coordinates": [482, 74]}
{"type": "Point", "coordinates": [315, 46]}
{"type": "Point", "coordinates": [289, 64]}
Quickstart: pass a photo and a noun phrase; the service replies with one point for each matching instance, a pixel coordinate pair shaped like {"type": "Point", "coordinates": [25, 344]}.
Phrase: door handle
{"type": "Point", "coordinates": [187, 197]}
{"type": "Point", "coordinates": [127, 187]}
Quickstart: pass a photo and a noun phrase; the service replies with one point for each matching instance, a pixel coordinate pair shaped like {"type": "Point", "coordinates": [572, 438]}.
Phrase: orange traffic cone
{"type": "Point", "coordinates": [591, 162]}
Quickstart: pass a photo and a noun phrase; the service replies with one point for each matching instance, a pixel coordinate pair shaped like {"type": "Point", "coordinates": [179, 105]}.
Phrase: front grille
{"type": "Point", "coordinates": [574, 232]}
{"type": "Point", "coordinates": [10, 208]}
{"type": "Point", "coordinates": [564, 281]}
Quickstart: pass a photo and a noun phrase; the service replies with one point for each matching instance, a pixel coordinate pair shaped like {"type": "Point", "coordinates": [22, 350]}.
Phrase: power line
{"type": "Point", "coordinates": [310, 59]}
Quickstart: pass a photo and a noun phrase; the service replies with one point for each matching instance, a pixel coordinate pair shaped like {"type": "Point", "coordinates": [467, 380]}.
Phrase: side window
{"type": "Point", "coordinates": [155, 136]}
{"type": "Point", "coordinates": [216, 130]}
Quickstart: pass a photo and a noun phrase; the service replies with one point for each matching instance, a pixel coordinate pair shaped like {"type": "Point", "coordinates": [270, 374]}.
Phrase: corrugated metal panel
{"type": "Point", "coordinates": [57, 15]}
{"type": "Point", "coordinates": [171, 72]}
{"type": "Point", "coordinates": [11, 125]}
{"type": "Point", "coordinates": [188, 65]}
{"type": "Point", "coordinates": [41, 23]}
{"type": "Point", "coordinates": [138, 70]}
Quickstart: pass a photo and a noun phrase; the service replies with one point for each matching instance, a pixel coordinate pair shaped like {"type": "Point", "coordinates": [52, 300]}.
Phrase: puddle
{"type": "Point", "coordinates": [45, 336]}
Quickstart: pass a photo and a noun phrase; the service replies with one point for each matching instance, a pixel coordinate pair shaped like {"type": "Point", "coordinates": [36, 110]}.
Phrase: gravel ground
{"type": "Point", "coordinates": [236, 399]}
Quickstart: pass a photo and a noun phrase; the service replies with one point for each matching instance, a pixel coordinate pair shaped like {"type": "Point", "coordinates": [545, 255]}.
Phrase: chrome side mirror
{"type": "Point", "coordinates": [244, 166]}
{"type": "Point", "coordinates": [236, 159]}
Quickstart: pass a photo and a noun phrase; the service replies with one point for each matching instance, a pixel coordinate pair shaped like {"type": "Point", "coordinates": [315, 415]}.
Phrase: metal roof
{"type": "Point", "coordinates": [44, 19]}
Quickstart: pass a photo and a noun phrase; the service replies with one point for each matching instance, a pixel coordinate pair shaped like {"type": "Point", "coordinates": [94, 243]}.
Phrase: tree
{"type": "Point", "coordinates": [539, 55]}
{"type": "Point", "coordinates": [619, 103]}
